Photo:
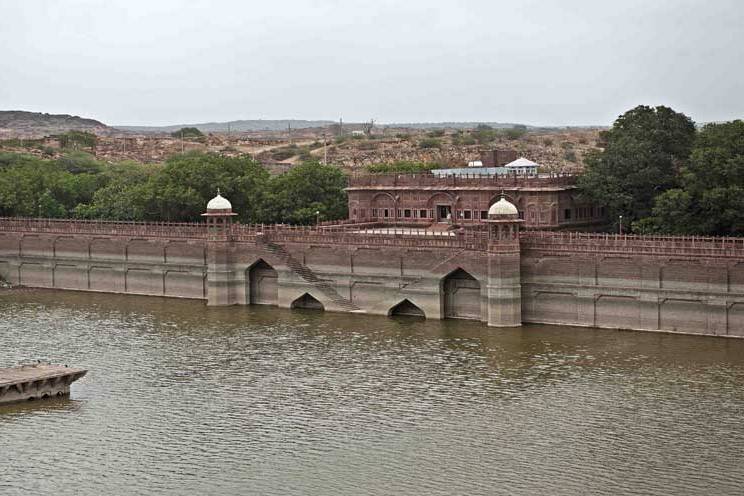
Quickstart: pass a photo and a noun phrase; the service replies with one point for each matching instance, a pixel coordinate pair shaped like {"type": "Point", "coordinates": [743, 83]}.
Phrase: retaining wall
{"type": "Point", "coordinates": [690, 285]}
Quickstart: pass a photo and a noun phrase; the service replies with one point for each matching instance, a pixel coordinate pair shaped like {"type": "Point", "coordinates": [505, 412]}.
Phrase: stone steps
{"type": "Point", "coordinates": [308, 275]}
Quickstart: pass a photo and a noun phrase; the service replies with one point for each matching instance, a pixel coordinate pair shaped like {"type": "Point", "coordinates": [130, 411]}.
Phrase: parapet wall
{"type": "Point", "coordinates": [386, 181]}
{"type": "Point", "coordinates": [104, 257]}
{"type": "Point", "coordinates": [674, 284]}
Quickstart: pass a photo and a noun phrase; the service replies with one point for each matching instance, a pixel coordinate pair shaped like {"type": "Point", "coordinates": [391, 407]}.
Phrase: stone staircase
{"type": "Point", "coordinates": [307, 274]}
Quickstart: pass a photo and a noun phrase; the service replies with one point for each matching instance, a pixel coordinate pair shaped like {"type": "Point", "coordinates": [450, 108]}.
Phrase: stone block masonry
{"type": "Point", "coordinates": [671, 284]}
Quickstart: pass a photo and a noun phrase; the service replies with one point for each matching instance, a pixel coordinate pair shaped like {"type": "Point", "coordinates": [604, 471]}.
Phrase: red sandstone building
{"type": "Point", "coordinates": [543, 201]}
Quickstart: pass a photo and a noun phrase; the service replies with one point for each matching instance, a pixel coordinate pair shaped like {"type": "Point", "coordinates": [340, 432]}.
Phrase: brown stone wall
{"type": "Point", "coordinates": [70, 276]}
{"type": "Point", "coordinates": [114, 264]}
{"type": "Point", "coordinates": [690, 285]}
{"type": "Point", "coordinates": [675, 284]}
{"type": "Point", "coordinates": [145, 281]}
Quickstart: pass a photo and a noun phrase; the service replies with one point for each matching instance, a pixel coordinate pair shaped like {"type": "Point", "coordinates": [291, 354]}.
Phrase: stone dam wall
{"type": "Point", "coordinates": [690, 285]}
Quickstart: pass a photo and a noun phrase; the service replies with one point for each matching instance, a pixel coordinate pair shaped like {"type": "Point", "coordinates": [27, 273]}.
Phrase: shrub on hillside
{"type": "Point", "coordinates": [187, 132]}
{"type": "Point", "coordinates": [428, 143]}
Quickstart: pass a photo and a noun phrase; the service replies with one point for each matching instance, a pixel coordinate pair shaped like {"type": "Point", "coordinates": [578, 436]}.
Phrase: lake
{"type": "Point", "coordinates": [185, 399]}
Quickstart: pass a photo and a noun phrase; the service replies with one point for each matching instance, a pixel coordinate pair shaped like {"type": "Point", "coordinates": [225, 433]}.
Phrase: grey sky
{"type": "Point", "coordinates": [537, 62]}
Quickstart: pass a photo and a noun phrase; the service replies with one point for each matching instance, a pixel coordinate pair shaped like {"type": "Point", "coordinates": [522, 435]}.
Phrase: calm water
{"type": "Point", "coordinates": [181, 399]}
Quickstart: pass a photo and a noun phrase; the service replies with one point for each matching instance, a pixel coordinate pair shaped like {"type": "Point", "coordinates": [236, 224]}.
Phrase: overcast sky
{"type": "Point", "coordinates": [572, 62]}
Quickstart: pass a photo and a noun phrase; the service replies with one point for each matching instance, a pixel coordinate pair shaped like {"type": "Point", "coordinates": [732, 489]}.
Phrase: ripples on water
{"type": "Point", "coordinates": [181, 399]}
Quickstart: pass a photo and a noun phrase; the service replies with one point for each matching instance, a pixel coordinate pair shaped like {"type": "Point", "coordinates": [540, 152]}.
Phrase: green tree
{"type": "Point", "coordinates": [710, 199]}
{"type": "Point", "coordinates": [402, 166]}
{"type": "Point", "coordinates": [23, 182]}
{"type": "Point", "coordinates": [187, 132]}
{"type": "Point", "coordinates": [79, 162]}
{"type": "Point", "coordinates": [77, 139]}
{"type": "Point", "coordinates": [181, 189]}
{"type": "Point", "coordinates": [124, 196]}
{"type": "Point", "coordinates": [645, 149]}
{"type": "Point", "coordinates": [308, 188]}
{"type": "Point", "coordinates": [484, 134]}
{"type": "Point", "coordinates": [515, 132]}
{"type": "Point", "coordinates": [49, 207]}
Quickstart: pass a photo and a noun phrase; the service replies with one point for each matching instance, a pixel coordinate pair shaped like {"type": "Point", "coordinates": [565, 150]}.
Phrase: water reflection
{"type": "Point", "coordinates": [184, 399]}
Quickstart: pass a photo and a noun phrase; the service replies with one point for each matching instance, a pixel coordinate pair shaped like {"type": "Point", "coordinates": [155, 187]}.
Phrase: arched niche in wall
{"type": "Point", "coordinates": [308, 302]}
{"type": "Point", "coordinates": [262, 284]}
{"type": "Point", "coordinates": [406, 308]}
{"type": "Point", "coordinates": [461, 295]}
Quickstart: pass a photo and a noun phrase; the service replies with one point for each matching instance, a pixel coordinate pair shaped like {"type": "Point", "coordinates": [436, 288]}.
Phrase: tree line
{"type": "Point", "coordinates": [665, 175]}
{"type": "Point", "coordinates": [79, 186]}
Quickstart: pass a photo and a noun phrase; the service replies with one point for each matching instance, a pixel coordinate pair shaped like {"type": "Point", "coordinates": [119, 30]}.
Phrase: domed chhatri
{"type": "Point", "coordinates": [219, 206]}
{"type": "Point", "coordinates": [219, 203]}
{"type": "Point", "coordinates": [219, 213]}
{"type": "Point", "coordinates": [503, 209]}
{"type": "Point", "coordinates": [503, 220]}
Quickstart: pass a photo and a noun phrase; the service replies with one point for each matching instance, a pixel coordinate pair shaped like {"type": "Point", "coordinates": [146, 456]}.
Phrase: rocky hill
{"type": "Point", "coordinates": [234, 126]}
{"type": "Point", "coordinates": [21, 124]}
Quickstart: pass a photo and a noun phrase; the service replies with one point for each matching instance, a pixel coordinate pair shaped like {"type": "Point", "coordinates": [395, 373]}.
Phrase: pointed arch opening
{"type": "Point", "coordinates": [308, 302]}
{"type": "Point", "coordinates": [406, 308]}
{"type": "Point", "coordinates": [462, 295]}
{"type": "Point", "coordinates": [262, 281]}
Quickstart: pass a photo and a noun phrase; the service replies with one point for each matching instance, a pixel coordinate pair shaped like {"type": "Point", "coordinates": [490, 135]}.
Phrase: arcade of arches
{"type": "Point", "coordinates": [460, 291]}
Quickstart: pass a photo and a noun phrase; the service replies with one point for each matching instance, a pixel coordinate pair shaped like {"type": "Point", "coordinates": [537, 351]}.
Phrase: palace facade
{"type": "Point", "coordinates": [543, 201]}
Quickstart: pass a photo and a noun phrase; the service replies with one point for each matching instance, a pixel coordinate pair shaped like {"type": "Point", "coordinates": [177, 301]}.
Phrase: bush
{"type": "Point", "coordinates": [515, 132]}
{"type": "Point", "coordinates": [403, 166]}
{"type": "Point", "coordinates": [77, 139]}
{"type": "Point", "coordinates": [435, 133]}
{"type": "Point", "coordinates": [188, 132]}
{"type": "Point", "coordinates": [285, 152]}
{"type": "Point", "coordinates": [547, 142]}
{"type": "Point", "coordinates": [462, 139]}
{"type": "Point", "coordinates": [484, 134]}
{"type": "Point", "coordinates": [570, 155]}
{"type": "Point", "coordinates": [428, 143]}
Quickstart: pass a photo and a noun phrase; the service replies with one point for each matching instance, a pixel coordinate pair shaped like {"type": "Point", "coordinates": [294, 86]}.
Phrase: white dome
{"type": "Point", "coordinates": [219, 203]}
{"type": "Point", "coordinates": [503, 207]}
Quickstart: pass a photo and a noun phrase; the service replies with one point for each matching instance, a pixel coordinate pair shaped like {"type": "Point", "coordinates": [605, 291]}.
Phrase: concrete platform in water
{"type": "Point", "coordinates": [36, 381]}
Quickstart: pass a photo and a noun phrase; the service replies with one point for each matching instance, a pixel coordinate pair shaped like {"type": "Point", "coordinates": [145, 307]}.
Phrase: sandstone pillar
{"type": "Point", "coordinates": [504, 280]}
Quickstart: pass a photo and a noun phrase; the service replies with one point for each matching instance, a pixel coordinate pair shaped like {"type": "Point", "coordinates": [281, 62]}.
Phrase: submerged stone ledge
{"type": "Point", "coordinates": [37, 381]}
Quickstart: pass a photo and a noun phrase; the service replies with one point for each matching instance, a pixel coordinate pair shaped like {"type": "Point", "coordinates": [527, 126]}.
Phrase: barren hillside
{"type": "Point", "coordinates": [20, 124]}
